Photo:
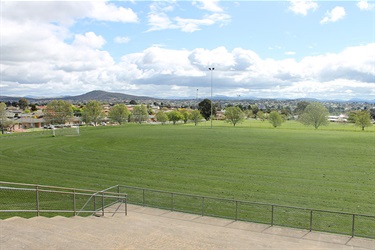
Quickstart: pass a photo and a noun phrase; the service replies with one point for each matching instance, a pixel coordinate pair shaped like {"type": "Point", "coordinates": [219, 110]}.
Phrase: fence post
{"type": "Point", "coordinates": [311, 219]}
{"type": "Point", "coordinates": [95, 203]}
{"type": "Point", "coordinates": [353, 225]}
{"type": "Point", "coordinates": [143, 198]}
{"type": "Point", "coordinates": [172, 202]}
{"type": "Point", "coordinates": [74, 202]}
{"type": "Point", "coordinates": [202, 206]}
{"type": "Point", "coordinates": [118, 193]}
{"type": "Point", "coordinates": [272, 206]}
{"type": "Point", "coordinates": [102, 203]}
{"type": "Point", "coordinates": [236, 210]}
{"type": "Point", "coordinates": [37, 200]}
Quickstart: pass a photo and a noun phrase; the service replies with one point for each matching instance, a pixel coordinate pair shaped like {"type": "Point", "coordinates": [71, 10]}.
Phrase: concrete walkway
{"type": "Point", "coordinates": [149, 228]}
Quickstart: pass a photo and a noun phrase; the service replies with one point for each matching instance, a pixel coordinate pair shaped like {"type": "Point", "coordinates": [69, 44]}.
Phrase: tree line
{"type": "Point", "coordinates": [60, 112]}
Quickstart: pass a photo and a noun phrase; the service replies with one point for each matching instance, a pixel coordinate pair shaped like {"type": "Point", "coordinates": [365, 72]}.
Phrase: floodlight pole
{"type": "Point", "coordinates": [211, 70]}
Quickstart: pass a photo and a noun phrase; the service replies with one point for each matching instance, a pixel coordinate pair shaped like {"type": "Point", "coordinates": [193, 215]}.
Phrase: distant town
{"type": "Point", "coordinates": [25, 113]}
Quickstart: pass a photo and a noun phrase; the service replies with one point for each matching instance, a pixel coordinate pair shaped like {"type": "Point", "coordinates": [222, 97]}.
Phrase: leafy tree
{"type": "Point", "coordinates": [140, 113]}
{"type": "Point", "coordinates": [175, 116]}
{"type": "Point", "coordinates": [255, 110]}
{"type": "Point", "coordinates": [58, 112]}
{"type": "Point", "coordinates": [133, 102]}
{"type": "Point", "coordinates": [161, 117]}
{"type": "Point", "coordinates": [186, 114]}
{"type": "Point", "coordinates": [363, 119]}
{"type": "Point", "coordinates": [23, 103]}
{"type": "Point", "coordinates": [352, 116]}
{"type": "Point", "coordinates": [77, 111]}
{"type": "Point", "coordinates": [275, 119]}
{"type": "Point", "coordinates": [119, 113]}
{"type": "Point", "coordinates": [92, 112]}
{"type": "Point", "coordinates": [301, 107]}
{"type": "Point", "coordinates": [314, 114]}
{"type": "Point", "coordinates": [234, 115]}
{"type": "Point", "coordinates": [372, 113]}
{"type": "Point", "coordinates": [196, 116]}
{"type": "Point", "coordinates": [5, 123]}
{"type": "Point", "coordinates": [205, 109]}
{"type": "Point", "coordinates": [261, 116]}
{"type": "Point", "coordinates": [33, 107]}
{"type": "Point", "coordinates": [249, 113]}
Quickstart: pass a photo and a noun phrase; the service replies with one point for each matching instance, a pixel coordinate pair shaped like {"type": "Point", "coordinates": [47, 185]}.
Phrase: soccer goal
{"type": "Point", "coordinates": [65, 130]}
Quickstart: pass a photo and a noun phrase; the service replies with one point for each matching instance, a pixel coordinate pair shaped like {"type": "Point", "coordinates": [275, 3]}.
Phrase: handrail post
{"type": "Point", "coordinates": [202, 205]}
{"type": "Point", "coordinates": [172, 202]}
{"type": "Point", "coordinates": [272, 207]}
{"type": "Point", "coordinates": [37, 200]}
{"type": "Point", "coordinates": [102, 203]}
{"type": "Point", "coordinates": [126, 205]}
{"type": "Point", "coordinates": [353, 225]}
{"type": "Point", "coordinates": [311, 219]}
{"type": "Point", "coordinates": [74, 203]}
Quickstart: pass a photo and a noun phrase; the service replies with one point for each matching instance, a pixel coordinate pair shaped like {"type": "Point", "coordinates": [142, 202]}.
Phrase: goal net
{"type": "Point", "coordinates": [65, 130]}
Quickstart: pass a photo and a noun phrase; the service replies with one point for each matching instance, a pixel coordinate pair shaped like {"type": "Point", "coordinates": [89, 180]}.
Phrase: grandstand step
{"type": "Point", "coordinates": [149, 228]}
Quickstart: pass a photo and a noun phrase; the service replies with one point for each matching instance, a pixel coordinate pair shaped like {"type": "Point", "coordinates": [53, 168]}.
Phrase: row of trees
{"type": "Point", "coordinates": [60, 112]}
{"type": "Point", "coordinates": [313, 114]}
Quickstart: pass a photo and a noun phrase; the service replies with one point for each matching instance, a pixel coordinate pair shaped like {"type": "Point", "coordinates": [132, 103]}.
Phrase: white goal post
{"type": "Point", "coordinates": [65, 130]}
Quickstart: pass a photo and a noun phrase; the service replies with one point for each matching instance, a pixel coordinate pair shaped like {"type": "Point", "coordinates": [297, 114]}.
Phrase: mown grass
{"type": "Point", "coordinates": [332, 168]}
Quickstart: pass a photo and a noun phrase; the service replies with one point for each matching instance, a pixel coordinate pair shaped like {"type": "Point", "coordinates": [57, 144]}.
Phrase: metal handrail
{"type": "Point", "coordinates": [117, 196]}
{"type": "Point", "coordinates": [94, 195]}
{"type": "Point", "coordinates": [54, 187]}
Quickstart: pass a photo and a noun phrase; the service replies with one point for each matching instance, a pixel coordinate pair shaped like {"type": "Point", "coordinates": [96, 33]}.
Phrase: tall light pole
{"type": "Point", "coordinates": [211, 70]}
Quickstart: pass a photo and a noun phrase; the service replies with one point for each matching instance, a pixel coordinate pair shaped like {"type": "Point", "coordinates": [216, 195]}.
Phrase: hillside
{"type": "Point", "coordinates": [104, 96]}
{"type": "Point", "coordinates": [98, 95]}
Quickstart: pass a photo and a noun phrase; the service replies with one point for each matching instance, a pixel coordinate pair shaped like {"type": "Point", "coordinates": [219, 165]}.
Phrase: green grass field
{"type": "Point", "coordinates": [331, 168]}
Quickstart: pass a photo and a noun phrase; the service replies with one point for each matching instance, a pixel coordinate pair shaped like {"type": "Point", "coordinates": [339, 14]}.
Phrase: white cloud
{"type": "Point", "coordinates": [210, 5]}
{"type": "Point", "coordinates": [43, 58]}
{"type": "Point", "coordinates": [155, 70]}
{"type": "Point", "coordinates": [106, 11]}
{"type": "Point", "coordinates": [158, 19]}
{"type": "Point", "coordinates": [302, 7]}
{"type": "Point", "coordinates": [90, 39]}
{"type": "Point", "coordinates": [191, 25]}
{"type": "Point", "coordinates": [290, 53]}
{"type": "Point", "coordinates": [65, 12]}
{"type": "Point", "coordinates": [334, 15]}
{"type": "Point", "coordinates": [121, 39]}
{"type": "Point", "coordinates": [364, 5]}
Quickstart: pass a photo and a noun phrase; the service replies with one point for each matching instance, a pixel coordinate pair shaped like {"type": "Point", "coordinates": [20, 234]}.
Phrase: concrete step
{"type": "Point", "coordinates": [52, 232]}
{"type": "Point", "coordinates": [149, 228]}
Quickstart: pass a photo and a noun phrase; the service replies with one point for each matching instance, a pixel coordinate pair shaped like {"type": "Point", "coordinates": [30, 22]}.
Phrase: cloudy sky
{"type": "Point", "coordinates": [266, 49]}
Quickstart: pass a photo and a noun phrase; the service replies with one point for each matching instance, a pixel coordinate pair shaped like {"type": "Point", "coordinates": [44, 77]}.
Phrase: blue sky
{"type": "Point", "coordinates": [266, 49]}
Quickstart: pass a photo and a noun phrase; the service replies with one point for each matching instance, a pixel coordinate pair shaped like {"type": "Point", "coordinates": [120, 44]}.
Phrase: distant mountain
{"type": "Point", "coordinates": [104, 96]}
{"type": "Point", "coordinates": [110, 97]}
{"type": "Point", "coordinates": [98, 95]}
